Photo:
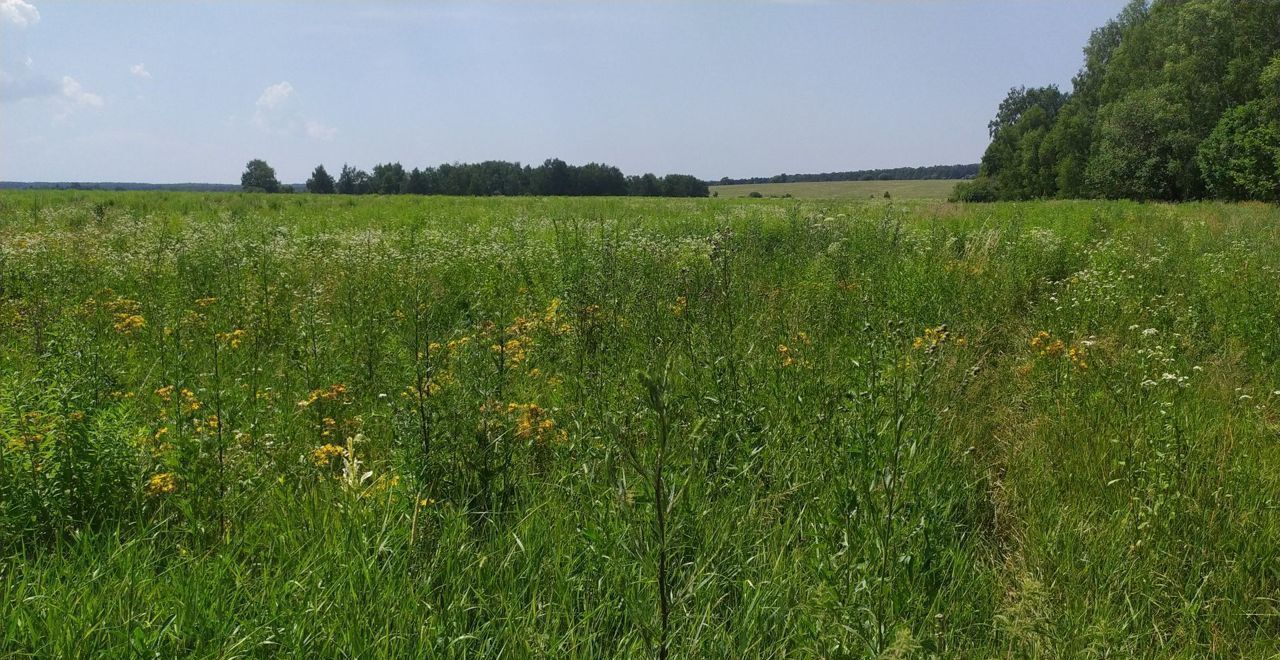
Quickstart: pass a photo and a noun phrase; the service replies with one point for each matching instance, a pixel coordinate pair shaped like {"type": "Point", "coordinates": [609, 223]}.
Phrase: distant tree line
{"type": "Point", "coordinates": [891, 174]}
{"type": "Point", "coordinates": [1176, 100]}
{"type": "Point", "coordinates": [553, 177]}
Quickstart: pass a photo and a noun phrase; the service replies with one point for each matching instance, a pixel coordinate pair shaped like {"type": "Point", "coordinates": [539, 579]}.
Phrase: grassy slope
{"type": "Point", "coordinates": [842, 477]}
{"type": "Point", "coordinates": [922, 189]}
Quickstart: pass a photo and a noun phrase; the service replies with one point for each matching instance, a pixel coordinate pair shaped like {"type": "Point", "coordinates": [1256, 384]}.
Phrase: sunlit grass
{"type": "Point", "coordinates": [254, 425]}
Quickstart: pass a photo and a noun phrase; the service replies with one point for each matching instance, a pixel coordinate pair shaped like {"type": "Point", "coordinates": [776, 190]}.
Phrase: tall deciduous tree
{"type": "Point", "coordinates": [320, 182]}
{"type": "Point", "coordinates": [259, 177]}
{"type": "Point", "coordinates": [1172, 102]}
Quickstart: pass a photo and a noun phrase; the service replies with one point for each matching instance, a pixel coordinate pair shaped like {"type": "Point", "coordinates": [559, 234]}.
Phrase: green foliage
{"type": "Point", "coordinates": [1145, 149]}
{"type": "Point", "coordinates": [259, 177]}
{"type": "Point", "coordinates": [1241, 157]}
{"type": "Point", "coordinates": [321, 183]}
{"type": "Point", "coordinates": [388, 179]}
{"type": "Point", "coordinates": [493, 178]}
{"type": "Point", "coordinates": [981, 189]}
{"type": "Point", "coordinates": [1017, 160]}
{"type": "Point", "coordinates": [324, 426]}
{"type": "Point", "coordinates": [354, 181]}
{"type": "Point", "coordinates": [1157, 81]}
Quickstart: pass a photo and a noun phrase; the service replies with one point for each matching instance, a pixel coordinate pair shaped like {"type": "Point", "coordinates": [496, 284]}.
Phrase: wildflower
{"type": "Point", "coordinates": [331, 393]}
{"type": "Point", "coordinates": [514, 351]}
{"type": "Point", "coordinates": [678, 307]}
{"type": "Point", "coordinates": [1076, 355]}
{"type": "Point", "coordinates": [209, 425]}
{"type": "Point", "coordinates": [233, 338]}
{"type": "Point", "coordinates": [123, 306]}
{"type": "Point", "coordinates": [324, 455]}
{"type": "Point", "coordinates": [932, 339]}
{"type": "Point", "coordinates": [162, 483]}
{"type": "Point", "coordinates": [1048, 346]}
{"type": "Point", "coordinates": [129, 323]}
{"type": "Point", "coordinates": [190, 403]}
{"type": "Point", "coordinates": [25, 441]}
{"type": "Point", "coordinates": [533, 423]}
{"type": "Point", "coordinates": [785, 353]}
{"type": "Point", "coordinates": [553, 311]}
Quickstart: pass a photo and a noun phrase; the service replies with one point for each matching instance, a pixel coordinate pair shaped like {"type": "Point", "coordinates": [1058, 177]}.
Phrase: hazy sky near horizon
{"type": "Point", "coordinates": [183, 91]}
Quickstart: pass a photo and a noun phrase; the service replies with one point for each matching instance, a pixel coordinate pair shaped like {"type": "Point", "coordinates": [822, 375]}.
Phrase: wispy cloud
{"type": "Point", "coordinates": [275, 95]}
{"type": "Point", "coordinates": [320, 131]}
{"type": "Point", "coordinates": [140, 70]}
{"type": "Point", "coordinates": [277, 111]}
{"type": "Point", "coordinates": [19, 13]}
{"type": "Point", "coordinates": [75, 93]}
{"type": "Point", "coordinates": [68, 93]}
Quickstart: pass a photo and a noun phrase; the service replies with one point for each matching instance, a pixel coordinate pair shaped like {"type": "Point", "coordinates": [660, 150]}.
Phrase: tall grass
{"type": "Point", "coordinates": [261, 425]}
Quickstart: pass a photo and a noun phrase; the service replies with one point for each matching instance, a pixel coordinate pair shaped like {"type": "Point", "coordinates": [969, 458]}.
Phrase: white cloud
{"type": "Point", "coordinates": [67, 94]}
{"type": "Point", "coordinates": [140, 70]}
{"type": "Point", "coordinates": [275, 95]}
{"type": "Point", "coordinates": [19, 13]}
{"type": "Point", "coordinates": [320, 131]}
{"type": "Point", "coordinates": [278, 112]}
{"type": "Point", "coordinates": [74, 92]}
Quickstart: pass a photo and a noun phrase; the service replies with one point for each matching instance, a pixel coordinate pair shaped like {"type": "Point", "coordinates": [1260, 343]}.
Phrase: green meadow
{"type": "Point", "coordinates": [238, 425]}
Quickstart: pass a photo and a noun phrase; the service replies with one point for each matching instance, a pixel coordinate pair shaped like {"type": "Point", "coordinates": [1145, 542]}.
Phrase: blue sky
{"type": "Point", "coordinates": [178, 91]}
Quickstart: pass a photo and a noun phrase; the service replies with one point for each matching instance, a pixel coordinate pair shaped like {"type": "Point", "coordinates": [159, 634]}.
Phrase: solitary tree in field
{"type": "Point", "coordinates": [320, 182]}
{"type": "Point", "coordinates": [258, 176]}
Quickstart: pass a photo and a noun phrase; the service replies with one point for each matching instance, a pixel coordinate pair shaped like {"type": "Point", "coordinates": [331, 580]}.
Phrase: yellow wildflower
{"type": "Point", "coordinates": [331, 393]}
{"type": "Point", "coordinates": [1076, 355]}
{"type": "Point", "coordinates": [932, 339]}
{"type": "Point", "coordinates": [129, 323]}
{"type": "Point", "coordinates": [162, 483]}
{"type": "Point", "coordinates": [190, 403]}
{"type": "Point", "coordinates": [324, 455]}
{"type": "Point", "coordinates": [785, 353]}
{"type": "Point", "coordinates": [233, 338]}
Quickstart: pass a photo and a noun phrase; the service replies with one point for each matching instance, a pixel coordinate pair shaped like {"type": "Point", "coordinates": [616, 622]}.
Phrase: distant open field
{"type": "Point", "coordinates": [442, 427]}
{"type": "Point", "coordinates": [919, 189]}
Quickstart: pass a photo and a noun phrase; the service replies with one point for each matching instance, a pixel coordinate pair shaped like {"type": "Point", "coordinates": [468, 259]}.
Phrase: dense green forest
{"type": "Point", "coordinates": [889, 174]}
{"type": "Point", "coordinates": [1176, 100]}
{"type": "Point", "coordinates": [493, 177]}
